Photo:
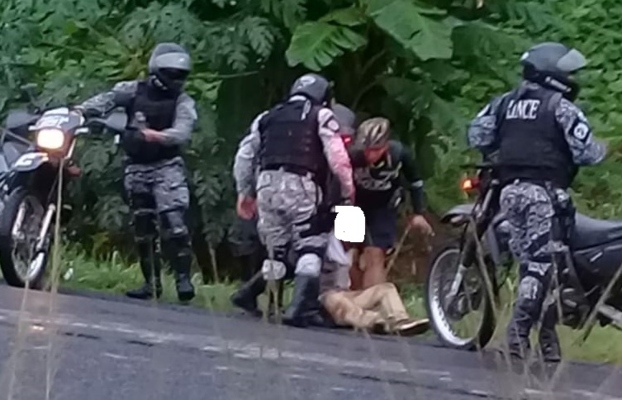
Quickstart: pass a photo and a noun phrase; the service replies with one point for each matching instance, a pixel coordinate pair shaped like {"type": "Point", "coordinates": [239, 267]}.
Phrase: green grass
{"type": "Point", "coordinates": [116, 276]}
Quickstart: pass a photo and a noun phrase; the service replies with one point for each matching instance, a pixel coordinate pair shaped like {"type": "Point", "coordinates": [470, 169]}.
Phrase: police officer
{"type": "Point", "coordinates": [379, 165]}
{"type": "Point", "coordinates": [541, 138]}
{"type": "Point", "coordinates": [161, 119]}
{"type": "Point", "coordinates": [246, 297]}
{"type": "Point", "coordinates": [295, 145]}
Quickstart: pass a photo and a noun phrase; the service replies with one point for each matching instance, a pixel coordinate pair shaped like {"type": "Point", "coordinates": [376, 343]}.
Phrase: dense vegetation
{"type": "Point", "coordinates": [427, 65]}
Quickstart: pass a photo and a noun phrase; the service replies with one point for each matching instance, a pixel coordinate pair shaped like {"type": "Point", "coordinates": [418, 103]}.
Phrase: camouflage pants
{"type": "Point", "coordinates": [158, 190]}
{"type": "Point", "coordinates": [535, 215]}
{"type": "Point", "coordinates": [287, 206]}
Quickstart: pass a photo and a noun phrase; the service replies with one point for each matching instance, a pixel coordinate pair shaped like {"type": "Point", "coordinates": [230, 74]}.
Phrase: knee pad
{"type": "Point", "coordinates": [273, 270]}
{"type": "Point", "coordinates": [309, 264]}
{"type": "Point", "coordinates": [173, 224]}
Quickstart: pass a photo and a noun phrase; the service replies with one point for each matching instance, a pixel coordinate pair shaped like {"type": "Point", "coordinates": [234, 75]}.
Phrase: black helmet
{"type": "Point", "coordinates": [169, 66]}
{"type": "Point", "coordinates": [346, 119]}
{"type": "Point", "coordinates": [314, 87]}
{"type": "Point", "coordinates": [551, 65]}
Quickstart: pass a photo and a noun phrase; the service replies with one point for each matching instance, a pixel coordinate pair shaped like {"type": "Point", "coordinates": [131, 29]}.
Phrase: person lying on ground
{"type": "Point", "coordinates": [378, 308]}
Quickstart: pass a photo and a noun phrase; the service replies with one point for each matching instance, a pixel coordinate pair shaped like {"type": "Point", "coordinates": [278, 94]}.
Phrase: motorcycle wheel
{"type": "Point", "coordinates": [18, 272]}
{"type": "Point", "coordinates": [447, 258]}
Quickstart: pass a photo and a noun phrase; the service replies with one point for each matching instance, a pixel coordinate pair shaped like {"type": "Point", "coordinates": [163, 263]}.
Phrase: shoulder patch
{"type": "Point", "coordinates": [581, 131]}
{"type": "Point", "coordinates": [332, 124]}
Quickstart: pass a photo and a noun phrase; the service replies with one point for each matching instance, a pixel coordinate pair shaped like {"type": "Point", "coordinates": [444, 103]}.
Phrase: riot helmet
{"type": "Point", "coordinates": [346, 119]}
{"type": "Point", "coordinates": [552, 65]}
{"type": "Point", "coordinates": [169, 66]}
{"type": "Point", "coordinates": [314, 87]}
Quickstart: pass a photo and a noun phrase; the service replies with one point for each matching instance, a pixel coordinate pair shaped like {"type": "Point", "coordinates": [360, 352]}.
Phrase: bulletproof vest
{"type": "Point", "coordinates": [532, 146]}
{"type": "Point", "coordinates": [290, 139]}
{"type": "Point", "coordinates": [159, 111]}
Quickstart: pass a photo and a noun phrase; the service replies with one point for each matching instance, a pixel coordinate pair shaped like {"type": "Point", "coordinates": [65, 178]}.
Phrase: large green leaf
{"type": "Point", "coordinates": [352, 16]}
{"type": "Point", "coordinates": [290, 12]}
{"type": "Point", "coordinates": [257, 30]}
{"type": "Point", "coordinates": [409, 24]}
{"type": "Point", "coordinates": [316, 44]}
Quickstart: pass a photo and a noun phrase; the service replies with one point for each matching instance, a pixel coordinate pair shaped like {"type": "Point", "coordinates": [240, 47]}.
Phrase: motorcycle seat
{"type": "Point", "coordinates": [589, 232]}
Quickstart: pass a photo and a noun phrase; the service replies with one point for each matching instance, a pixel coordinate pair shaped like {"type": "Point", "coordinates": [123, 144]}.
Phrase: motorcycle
{"type": "Point", "coordinates": [14, 137]}
{"type": "Point", "coordinates": [33, 183]}
{"type": "Point", "coordinates": [588, 285]}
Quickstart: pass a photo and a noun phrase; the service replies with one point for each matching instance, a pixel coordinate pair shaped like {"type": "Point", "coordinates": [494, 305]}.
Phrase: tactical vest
{"type": "Point", "coordinates": [290, 139]}
{"type": "Point", "coordinates": [159, 112]}
{"type": "Point", "coordinates": [532, 146]}
{"type": "Point", "coordinates": [376, 185]}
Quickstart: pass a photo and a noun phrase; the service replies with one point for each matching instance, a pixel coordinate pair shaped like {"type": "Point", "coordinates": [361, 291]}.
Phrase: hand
{"type": "Point", "coordinates": [419, 223]}
{"type": "Point", "coordinates": [246, 207]}
{"type": "Point", "coordinates": [152, 135]}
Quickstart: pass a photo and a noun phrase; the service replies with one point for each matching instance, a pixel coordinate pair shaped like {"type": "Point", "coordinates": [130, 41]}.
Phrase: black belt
{"type": "Point", "coordinates": [294, 169]}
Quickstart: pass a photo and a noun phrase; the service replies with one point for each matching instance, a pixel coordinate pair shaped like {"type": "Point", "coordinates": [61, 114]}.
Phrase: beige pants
{"type": "Point", "coordinates": [379, 304]}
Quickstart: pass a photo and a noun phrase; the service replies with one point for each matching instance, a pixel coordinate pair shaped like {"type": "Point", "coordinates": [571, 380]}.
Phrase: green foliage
{"type": "Point", "coordinates": [317, 44]}
{"type": "Point", "coordinates": [428, 66]}
{"type": "Point", "coordinates": [417, 29]}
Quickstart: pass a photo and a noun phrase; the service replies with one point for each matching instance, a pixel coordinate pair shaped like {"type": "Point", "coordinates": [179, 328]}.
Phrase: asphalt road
{"type": "Point", "coordinates": [107, 348]}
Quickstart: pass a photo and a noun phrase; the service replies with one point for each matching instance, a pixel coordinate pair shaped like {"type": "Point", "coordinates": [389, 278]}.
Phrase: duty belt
{"type": "Point", "coordinates": [294, 169]}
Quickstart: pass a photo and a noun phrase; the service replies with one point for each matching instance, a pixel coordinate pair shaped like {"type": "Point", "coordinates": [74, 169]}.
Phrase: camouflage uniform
{"type": "Point", "coordinates": [246, 297]}
{"type": "Point", "coordinates": [287, 203]}
{"type": "Point", "coordinates": [156, 190]}
{"type": "Point", "coordinates": [537, 214]}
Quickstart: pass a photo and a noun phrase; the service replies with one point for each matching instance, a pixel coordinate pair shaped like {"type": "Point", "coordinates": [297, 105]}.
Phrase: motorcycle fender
{"type": "Point", "coordinates": [30, 161]}
{"type": "Point", "coordinates": [458, 214]}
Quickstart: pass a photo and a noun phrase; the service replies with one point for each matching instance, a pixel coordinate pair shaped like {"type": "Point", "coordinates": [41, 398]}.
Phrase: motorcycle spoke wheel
{"type": "Point", "coordinates": [461, 322]}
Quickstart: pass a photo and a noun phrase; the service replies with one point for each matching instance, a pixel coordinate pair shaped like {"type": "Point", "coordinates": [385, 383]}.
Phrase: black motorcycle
{"type": "Point", "coordinates": [33, 183]}
{"type": "Point", "coordinates": [465, 276]}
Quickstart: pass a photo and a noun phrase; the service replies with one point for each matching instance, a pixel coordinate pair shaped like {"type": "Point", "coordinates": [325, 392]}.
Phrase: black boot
{"type": "Point", "coordinates": [150, 267]}
{"type": "Point", "coordinates": [183, 282]}
{"type": "Point", "coordinates": [180, 258]}
{"type": "Point", "coordinates": [519, 329]}
{"type": "Point", "coordinates": [305, 288]}
{"type": "Point", "coordinates": [548, 339]}
{"type": "Point", "coordinates": [246, 297]}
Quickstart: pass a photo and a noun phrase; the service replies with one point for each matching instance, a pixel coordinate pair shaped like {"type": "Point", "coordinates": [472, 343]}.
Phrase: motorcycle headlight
{"type": "Point", "coordinates": [50, 139]}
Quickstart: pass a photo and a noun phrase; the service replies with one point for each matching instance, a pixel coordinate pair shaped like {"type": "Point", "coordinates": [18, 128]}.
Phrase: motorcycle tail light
{"type": "Point", "coordinates": [469, 184]}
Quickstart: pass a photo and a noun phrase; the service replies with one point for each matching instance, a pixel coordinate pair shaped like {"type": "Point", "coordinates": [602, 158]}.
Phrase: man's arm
{"type": "Point", "coordinates": [335, 151]}
{"type": "Point", "coordinates": [482, 130]}
{"type": "Point", "coordinates": [415, 183]}
{"type": "Point", "coordinates": [185, 120]}
{"type": "Point", "coordinates": [245, 164]}
{"type": "Point", "coordinates": [103, 103]}
{"type": "Point", "coordinates": [578, 133]}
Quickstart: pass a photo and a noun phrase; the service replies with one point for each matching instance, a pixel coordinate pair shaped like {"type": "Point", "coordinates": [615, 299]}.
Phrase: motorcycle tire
{"type": "Point", "coordinates": [7, 220]}
{"type": "Point", "coordinates": [438, 315]}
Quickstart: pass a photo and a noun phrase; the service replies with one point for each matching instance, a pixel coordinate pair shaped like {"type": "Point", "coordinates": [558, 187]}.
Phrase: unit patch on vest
{"type": "Point", "coordinates": [523, 109]}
